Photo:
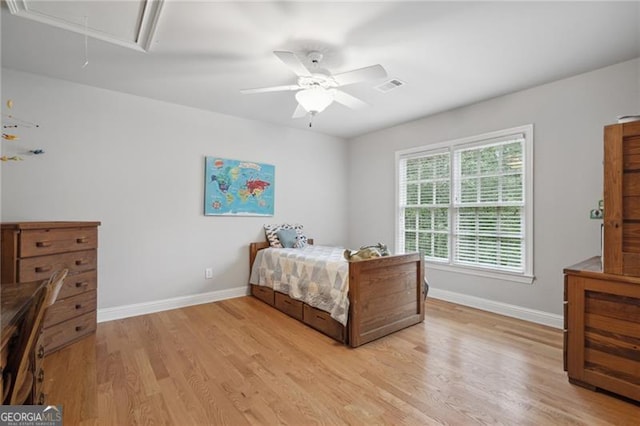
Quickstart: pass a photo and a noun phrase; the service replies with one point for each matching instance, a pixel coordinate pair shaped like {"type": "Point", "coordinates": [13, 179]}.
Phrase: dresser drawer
{"type": "Point", "coordinates": [69, 331]}
{"type": "Point", "coordinates": [39, 242]}
{"type": "Point", "coordinates": [78, 283]}
{"type": "Point", "coordinates": [38, 268]}
{"type": "Point", "coordinates": [70, 307]}
{"type": "Point", "coordinates": [288, 305]}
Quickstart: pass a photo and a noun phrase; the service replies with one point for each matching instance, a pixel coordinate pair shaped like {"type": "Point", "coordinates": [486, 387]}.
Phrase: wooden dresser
{"type": "Point", "coordinates": [34, 250]}
{"type": "Point", "coordinates": [602, 301]}
{"type": "Point", "coordinates": [602, 329]}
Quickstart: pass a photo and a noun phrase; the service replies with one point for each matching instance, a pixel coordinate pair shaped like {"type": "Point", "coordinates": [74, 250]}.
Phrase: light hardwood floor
{"type": "Point", "coordinates": [241, 362]}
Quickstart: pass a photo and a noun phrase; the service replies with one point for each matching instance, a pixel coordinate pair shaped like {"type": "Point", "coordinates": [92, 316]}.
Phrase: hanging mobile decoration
{"type": "Point", "coordinates": [14, 158]}
{"type": "Point", "coordinates": [16, 123]}
{"type": "Point", "coordinates": [9, 137]}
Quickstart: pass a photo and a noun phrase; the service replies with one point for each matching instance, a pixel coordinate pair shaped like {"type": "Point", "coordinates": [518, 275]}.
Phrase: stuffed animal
{"type": "Point", "coordinates": [367, 252]}
{"type": "Point", "coordinates": [364, 254]}
{"type": "Point", "coordinates": [382, 248]}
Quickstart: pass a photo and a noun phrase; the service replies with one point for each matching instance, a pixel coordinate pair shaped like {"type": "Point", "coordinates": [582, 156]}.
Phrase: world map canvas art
{"type": "Point", "coordinates": [235, 187]}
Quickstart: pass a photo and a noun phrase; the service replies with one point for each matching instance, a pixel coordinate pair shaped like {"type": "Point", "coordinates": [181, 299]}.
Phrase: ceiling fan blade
{"type": "Point", "coordinates": [299, 112]}
{"type": "Point", "coordinates": [347, 100]}
{"type": "Point", "coordinates": [361, 74]}
{"type": "Point", "coordinates": [270, 89]}
{"type": "Point", "coordinates": [293, 62]}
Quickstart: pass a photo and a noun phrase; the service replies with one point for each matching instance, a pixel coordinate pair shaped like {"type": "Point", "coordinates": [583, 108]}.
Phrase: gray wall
{"type": "Point", "coordinates": [568, 118]}
{"type": "Point", "coordinates": [137, 165]}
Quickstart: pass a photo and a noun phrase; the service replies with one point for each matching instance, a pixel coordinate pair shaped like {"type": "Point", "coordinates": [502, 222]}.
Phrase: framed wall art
{"type": "Point", "coordinates": [240, 188]}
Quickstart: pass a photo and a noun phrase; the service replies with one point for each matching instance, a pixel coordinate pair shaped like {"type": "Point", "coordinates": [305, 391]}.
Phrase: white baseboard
{"type": "Point", "coordinates": [126, 311]}
{"type": "Point", "coordinates": [514, 311]}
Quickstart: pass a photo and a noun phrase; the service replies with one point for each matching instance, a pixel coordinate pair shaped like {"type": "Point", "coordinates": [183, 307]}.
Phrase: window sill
{"type": "Point", "coordinates": [506, 276]}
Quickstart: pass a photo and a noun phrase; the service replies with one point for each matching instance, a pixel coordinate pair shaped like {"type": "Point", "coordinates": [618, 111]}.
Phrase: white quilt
{"type": "Point", "coordinates": [316, 275]}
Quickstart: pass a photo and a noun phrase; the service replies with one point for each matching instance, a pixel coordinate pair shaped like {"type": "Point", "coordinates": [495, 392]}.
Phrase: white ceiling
{"type": "Point", "coordinates": [202, 53]}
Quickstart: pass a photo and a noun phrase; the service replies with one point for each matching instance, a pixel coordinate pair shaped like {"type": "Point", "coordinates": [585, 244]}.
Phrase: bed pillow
{"type": "Point", "coordinates": [271, 232]}
{"type": "Point", "coordinates": [288, 237]}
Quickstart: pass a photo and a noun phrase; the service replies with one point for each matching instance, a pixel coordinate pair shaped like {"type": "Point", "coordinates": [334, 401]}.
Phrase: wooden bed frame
{"type": "Point", "coordinates": [386, 294]}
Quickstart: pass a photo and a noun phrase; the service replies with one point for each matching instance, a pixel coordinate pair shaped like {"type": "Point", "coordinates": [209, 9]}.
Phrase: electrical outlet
{"type": "Point", "coordinates": [208, 273]}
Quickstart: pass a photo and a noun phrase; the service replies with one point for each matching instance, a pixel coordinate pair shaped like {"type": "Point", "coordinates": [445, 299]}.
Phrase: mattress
{"type": "Point", "coordinates": [315, 275]}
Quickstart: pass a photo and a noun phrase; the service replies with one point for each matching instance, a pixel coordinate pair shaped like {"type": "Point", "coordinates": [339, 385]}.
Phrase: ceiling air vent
{"type": "Point", "coordinates": [389, 85]}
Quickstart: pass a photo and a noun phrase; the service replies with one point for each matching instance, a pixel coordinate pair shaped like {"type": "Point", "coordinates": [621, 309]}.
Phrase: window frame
{"type": "Point", "coordinates": [451, 146]}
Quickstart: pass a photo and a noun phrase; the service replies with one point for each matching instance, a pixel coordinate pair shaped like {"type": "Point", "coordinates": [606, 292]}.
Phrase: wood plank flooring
{"type": "Point", "coordinates": [241, 362]}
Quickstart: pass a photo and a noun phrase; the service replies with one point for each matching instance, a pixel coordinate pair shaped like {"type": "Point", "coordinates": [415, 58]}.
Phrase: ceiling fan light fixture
{"type": "Point", "coordinates": [314, 99]}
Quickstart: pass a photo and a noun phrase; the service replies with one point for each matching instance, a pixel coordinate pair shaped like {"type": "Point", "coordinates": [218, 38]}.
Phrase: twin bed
{"type": "Point", "coordinates": [352, 302]}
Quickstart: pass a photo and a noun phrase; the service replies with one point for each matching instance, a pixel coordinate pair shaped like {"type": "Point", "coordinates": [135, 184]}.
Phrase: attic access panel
{"type": "Point", "coordinates": [129, 24]}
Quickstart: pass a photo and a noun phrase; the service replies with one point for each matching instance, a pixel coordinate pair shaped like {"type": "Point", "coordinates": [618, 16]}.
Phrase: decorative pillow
{"type": "Point", "coordinates": [288, 237]}
{"type": "Point", "coordinates": [271, 232]}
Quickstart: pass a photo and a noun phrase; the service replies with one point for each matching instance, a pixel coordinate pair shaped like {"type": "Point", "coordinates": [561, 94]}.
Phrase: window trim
{"type": "Point", "coordinates": [527, 276]}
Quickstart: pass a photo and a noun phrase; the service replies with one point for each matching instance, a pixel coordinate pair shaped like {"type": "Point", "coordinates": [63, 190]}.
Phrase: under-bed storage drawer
{"type": "Point", "coordinates": [322, 321]}
{"type": "Point", "coordinates": [263, 293]}
{"type": "Point", "coordinates": [288, 305]}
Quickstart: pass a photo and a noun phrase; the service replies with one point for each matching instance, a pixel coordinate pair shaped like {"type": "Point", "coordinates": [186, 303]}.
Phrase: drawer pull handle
{"type": "Point", "coordinates": [287, 302]}
{"type": "Point", "coordinates": [82, 240]}
{"type": "Point", "coordinates": [78, 306]}
{"type": "Point", "coordinates": [41, 352]}
{"type": "Point", "coordinates": [320, 318]}
{"type": "Point", "coordinates": [43, 269]}
{"type": "Point", "coordinates": [43, 244]}
{"type": "Point", "coordinates": [81, 284]}
{"type": "Point", "coordinates": [81, 262]}
{"type": "Point", "coordinates": [41, 376]}
{"type": "Point", "coordinates": [78, 328]}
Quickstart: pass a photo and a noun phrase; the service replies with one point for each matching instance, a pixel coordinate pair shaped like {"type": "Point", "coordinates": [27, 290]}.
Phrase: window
{"type": "Point", "coordinates": [468, 203]}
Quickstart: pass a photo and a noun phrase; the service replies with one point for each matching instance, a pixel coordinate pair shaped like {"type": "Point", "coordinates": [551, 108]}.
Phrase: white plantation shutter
{"type": "Point", "coordinates": [468, 202]}
{"type": "Point", "coordinates": [489, 204]}
{"type": "Point", "coordinates": [425, 194]}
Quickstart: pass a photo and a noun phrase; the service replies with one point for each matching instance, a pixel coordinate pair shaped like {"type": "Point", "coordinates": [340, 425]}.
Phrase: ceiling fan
{"type": "Point", "coordinates": [317, 88]}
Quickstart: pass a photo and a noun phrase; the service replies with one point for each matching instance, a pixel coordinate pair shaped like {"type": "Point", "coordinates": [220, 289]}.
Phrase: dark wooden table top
{"type": "Point", "coordinates": [592, 268]}
{"type": "Point", "coordinates": [15, 299]}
